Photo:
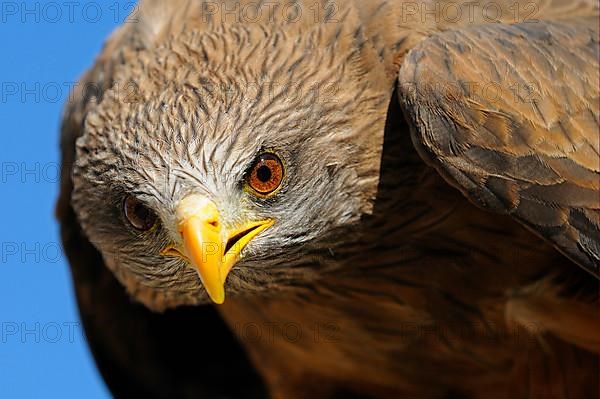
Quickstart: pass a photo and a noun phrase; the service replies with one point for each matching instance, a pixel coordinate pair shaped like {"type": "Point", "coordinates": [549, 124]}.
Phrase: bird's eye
{"type": "Point", "coordinates": [138, 214]}
{"type": "Point", "coordinates": [266, 174]}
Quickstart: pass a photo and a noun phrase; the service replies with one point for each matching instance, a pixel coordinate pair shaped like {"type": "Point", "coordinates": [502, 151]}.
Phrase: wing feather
{"type": "Point", "coordinates": [509, 115]}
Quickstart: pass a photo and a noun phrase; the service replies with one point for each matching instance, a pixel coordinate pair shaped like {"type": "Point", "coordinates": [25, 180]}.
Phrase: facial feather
{"type": "Point", "coordinates": [197, 111]}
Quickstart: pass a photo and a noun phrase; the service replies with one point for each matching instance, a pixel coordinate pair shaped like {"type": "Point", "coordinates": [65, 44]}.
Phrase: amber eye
{"type": "Point", "coordinates": [266, 174]}
{"type": "Point", "coordinates": [138, 214]}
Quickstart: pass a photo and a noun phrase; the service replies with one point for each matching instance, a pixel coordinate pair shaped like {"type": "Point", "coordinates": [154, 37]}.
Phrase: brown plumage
{"type": "Point", "coordinates": [377, 277]}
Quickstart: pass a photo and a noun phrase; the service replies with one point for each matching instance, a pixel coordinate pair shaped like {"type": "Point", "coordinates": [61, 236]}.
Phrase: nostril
{"type": "Point", "coordinates": [214, 223]}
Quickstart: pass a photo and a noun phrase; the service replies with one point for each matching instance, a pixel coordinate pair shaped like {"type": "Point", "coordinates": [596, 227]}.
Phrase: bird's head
{"type": "Point", "coordinates": [229, 162]}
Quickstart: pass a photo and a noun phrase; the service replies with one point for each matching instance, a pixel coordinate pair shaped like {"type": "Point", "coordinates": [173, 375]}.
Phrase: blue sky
{"type": "Point", "coordinates": [45, 46]}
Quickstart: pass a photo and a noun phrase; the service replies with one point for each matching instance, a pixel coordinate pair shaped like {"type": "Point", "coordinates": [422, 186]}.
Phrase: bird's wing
{"type": "Point", "coordinates": [141, 353]}
{"type": "Point", "coordinates": [509, 115]}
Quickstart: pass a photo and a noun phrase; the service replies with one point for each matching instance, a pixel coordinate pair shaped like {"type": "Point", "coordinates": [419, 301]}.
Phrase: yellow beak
{"type": "Point", "coordinates": [207, 245]}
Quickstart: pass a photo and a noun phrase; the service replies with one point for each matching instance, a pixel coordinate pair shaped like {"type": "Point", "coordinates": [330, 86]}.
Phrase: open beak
{"type": "Point", "coordinates": [210, 248]}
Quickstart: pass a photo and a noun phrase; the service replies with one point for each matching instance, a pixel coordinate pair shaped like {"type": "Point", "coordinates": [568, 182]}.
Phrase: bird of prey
{"type": "Point", "coordinates": [332, 199]}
